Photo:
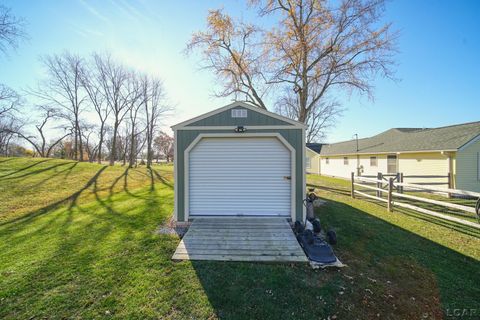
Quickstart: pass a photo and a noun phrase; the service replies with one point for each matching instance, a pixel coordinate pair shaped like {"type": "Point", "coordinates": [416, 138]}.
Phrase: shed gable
{"type": "Point", "coordinates": [224, 118]}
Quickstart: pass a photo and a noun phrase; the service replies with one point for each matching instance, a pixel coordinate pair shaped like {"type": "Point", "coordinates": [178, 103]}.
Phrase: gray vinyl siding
{"type": "Point", "coordinates": [185, 138]}
{"type": "Point", "coordinates": [467, 173]}
{"type": "Point", "coordinates": [224, 118]}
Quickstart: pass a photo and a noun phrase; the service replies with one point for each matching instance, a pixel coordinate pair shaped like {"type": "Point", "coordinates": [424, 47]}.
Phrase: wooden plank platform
{"type": "Point", "coordinates": [240, 239]}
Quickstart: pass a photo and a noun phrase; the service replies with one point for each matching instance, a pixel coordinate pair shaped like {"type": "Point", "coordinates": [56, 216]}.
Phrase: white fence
{"type": "Point", "coordinates": [396, 190]}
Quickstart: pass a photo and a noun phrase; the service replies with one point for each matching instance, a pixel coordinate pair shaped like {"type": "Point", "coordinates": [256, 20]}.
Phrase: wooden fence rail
{"type": "Point", "coordinates": [357, 181]}
{"type": "Point", "coordinates": [400, 177]}
{"type": "Point", "coordinates": [438, 189]}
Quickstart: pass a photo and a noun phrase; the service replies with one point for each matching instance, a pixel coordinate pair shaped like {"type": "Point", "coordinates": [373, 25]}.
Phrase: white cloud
{"type": "Point", "coordinates": [93, 11]}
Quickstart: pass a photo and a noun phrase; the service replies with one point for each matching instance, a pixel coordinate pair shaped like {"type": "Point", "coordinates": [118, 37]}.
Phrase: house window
{"type": "Point", "coordinates": [392, 164]}
{"type": "Point", "coordinates": [373, 161]}
{"type": "Point", "coordinates": [239, 113]}
{"type": "Point", "coordinates": [309, 162]}
{"type": "Point", "coordinates": [345, 161]}
{"type": "Point", "coordinates": [327, 160]}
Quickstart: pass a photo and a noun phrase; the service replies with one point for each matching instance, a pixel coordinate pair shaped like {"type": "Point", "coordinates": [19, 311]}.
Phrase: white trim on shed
{"type": "Point", "coordinates": [245, 135]}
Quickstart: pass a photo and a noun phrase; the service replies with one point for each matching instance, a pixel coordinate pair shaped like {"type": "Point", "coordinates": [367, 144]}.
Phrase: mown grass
{"type": "Point", "coordinates": [446, 253]}
{"type": "Point", "coordinates": [79, 241]}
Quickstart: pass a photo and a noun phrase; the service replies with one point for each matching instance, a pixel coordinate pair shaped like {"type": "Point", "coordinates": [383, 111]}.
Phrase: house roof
{"type": "Point", "coordinates": [316, 147]}
{"type": "Point", "coordinates": [409, 140]}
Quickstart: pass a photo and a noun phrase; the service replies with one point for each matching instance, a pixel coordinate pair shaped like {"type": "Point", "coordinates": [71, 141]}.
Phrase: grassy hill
{"type": "Point", "coordinates": [32, 186]}
{"type": "Point", "coordinates": [78, 240]}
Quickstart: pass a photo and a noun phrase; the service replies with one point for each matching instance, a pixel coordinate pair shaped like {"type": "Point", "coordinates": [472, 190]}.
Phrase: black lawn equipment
{"type": "Point", "coordinates": [313, 240]}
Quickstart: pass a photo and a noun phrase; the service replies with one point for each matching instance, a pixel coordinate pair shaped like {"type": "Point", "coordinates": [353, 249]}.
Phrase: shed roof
{"type": "Point", "coordinates": [241, 104]}
{"type": "Point", "coordinates": [409, 140]}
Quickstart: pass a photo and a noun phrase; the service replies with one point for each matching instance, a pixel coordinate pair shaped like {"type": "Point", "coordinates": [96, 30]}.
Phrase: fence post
{"type": "Point", "coordinates": [390, 189]}
{"type": "Point", "coordinates": [449, 181]}
{"type": "Point", "coordinates": [353, 186]}
{"type": "Point", "coordinates": [397, 179]}
{"type": "Point", "coordinates": [379, 184]}
{"type": "Point", "coordinates": [401, 181]}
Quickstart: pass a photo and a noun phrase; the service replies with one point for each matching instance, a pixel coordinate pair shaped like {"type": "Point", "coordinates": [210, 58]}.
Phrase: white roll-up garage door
{"type": "Point", "coordinates": [240, 177]}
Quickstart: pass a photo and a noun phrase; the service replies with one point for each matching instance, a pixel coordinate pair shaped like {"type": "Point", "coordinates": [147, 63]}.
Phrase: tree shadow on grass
{"type": "Point", "coordinates": [72, 199]}
{"type": "Point", "coordinates": [65, 171]}
{"type": "Point", "coordinates": [98, 255]}
{"type": "Point", "coordinates": [91, 183]}
{"type": "Point", "coordinates": [25, 168]}
{"type": "Point", "coordinates": [6, 160]}
{"type": "Point", "coordinates": [391, 271]}
{"type": "Point", "coordinates": [35, 172]}
{"type": "Point", "coordinates": [162, 179]}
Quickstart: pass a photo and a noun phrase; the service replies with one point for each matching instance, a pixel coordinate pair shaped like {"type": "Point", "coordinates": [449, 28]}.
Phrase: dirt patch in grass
{"type": "Point", "coordinates": [174, 228]}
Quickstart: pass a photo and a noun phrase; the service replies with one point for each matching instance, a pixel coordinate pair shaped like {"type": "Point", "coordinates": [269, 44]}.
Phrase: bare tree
{"type": "Point", "coordinates": [9, 100]}
{"type": "Point", "coordinates": [11, 30]}
{"type": "Point", "coordinates": [321, 117]}
{"type": "Point", "coordinates": [124, 143]}
{"type": "Point", "coordinates": [91, 147]}
{"type": "Point", "coordinates": [233, 53]}
{"type": "Point", "coordinates": [315, 47]}
{"type": "Point", "coordinates": [91, 78]}
{"type": "Point", "coordinates": [164, 144]}
{"type": "Point", "coordinates": [155, 107]}
{"type": "Point", "coordinates": [114, 83]}
{"type": "Point", "coordinates": [62, 89]}
{"type": "Point", "coordinates": [8, 127]}
{"type": "Point", "coordinates": [9, 123]}
{"type": "Point", "coordinates": [135, 104]}
{"type": "Point", "coordinates": [39, 141]}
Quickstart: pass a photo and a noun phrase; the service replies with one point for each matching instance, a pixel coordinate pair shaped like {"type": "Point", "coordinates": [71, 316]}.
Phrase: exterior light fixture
{"type": "Point", "coordinates": [240, 129]}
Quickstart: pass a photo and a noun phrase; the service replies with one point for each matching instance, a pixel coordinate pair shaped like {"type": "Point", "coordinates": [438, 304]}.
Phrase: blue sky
{"type": "Point", "coordinates": [438, 63]}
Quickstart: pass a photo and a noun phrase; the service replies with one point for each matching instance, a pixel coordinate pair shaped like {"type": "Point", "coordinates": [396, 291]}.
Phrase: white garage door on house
{"type": "Point", "coordinates": [240, 177]}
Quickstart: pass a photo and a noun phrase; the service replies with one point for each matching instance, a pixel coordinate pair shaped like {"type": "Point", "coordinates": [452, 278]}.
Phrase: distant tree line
{"type": "Point", "coordinates": [86, 108]}
{"type": "Point", "coordinates": [308, 53]}
{"type": "Point", "coordinates": [98, 109]}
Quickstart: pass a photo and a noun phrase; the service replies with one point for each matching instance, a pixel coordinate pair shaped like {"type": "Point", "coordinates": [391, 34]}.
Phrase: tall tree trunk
{"type": "Point", "coordinates": [132, 148]}
{"type": "Point", "coordinates": [124, 156]}
{"type": "Point", "coordinates": [113, 153]}
{"type": "Point", "coordinates": [149, 143]}
{"type": "Point", "coordinates": [100, 143]}
{"type": "Point", "coordinates": [75, 145]}
{"type": "Point", "coordinates": [80, 144]}
{"type": "Point", "coordinates": [149, 153]}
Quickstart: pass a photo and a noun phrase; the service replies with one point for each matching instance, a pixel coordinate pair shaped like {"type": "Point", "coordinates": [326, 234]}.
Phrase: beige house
{"type": "Point", "coordinates": [434, 156]}
{"type": "Point", "coordinates": [312, 164]}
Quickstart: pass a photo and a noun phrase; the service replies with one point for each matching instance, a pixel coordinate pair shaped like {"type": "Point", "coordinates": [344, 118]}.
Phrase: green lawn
{"type": "Point", "coordinates": [78, 240]}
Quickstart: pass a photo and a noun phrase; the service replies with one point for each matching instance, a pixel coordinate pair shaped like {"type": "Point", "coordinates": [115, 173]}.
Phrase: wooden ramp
{"type": "Point", "coordinates": [240, 239]}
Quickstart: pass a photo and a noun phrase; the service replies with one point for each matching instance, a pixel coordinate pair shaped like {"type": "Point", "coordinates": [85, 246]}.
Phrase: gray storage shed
{"type": "Point", "coordinates": [239, 160]}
